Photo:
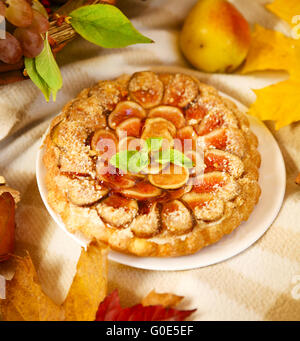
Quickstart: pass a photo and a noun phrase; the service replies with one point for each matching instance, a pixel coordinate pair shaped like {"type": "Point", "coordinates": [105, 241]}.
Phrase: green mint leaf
{"type": "Point", "coordinates": [138, 162]}
{"type": "Point", "coordinates": [36, 78]}
{"type": "Point", "coordinates": [173, 156]}
{"type": "Point", "coordinates": [163, 156]}
{"type": "Point", "coordinates": [105, 25]}
{"type": "Point", "coordinates": [48, 69]}
{"type": "Point", "coordinates": [121, 159]}
{"type": "Point", "coordinates": [153, 144]}
{"type": "Point", "coordinates": [180, 159]}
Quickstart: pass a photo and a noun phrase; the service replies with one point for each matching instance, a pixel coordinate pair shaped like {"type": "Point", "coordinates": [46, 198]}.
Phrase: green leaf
{"type": "Point", "coordinates": [173, 156]}
{"type": "Point", "coordinates": [121, 159]}
{"type": "Point", "coordinates": [153, 144]}
{"type": "Point", "coordinates": [138, 162]}
{"type": "Point", "coordinates": [36, 78]}
{"type": "Point", "coordinates": [163, 156]}
{"type": "Point", "coordinates": [105, 25]}
{"type": "Point", "coordinates": [180, 159]}
{"type": "Point", "coordinates": [48, 69]}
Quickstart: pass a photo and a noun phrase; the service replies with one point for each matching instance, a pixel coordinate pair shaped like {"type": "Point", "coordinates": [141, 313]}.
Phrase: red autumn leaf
{"type": "Point", "coordinates": [111, 310]}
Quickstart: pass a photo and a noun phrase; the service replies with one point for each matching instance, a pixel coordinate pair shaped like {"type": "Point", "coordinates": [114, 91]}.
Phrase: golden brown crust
{"type": "Point", "coordinates": [69, 160]}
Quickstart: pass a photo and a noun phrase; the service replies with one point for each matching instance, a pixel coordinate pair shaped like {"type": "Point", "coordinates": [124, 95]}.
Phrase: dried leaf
{"type": "Point", "coordinates": [26, 301]}
{"type": "Point", "coordinates": [25, 298]}
{"type": "Point", "coordinates": [165, 299]}
{"type": "Point", "coordinates": [5, 188]}
{"type": "Point", "coordinates": [278, 102]}
{"type": "Point", "coordinates": [285, 9]}
{"type": "Point", "coordinates": [111, 310]}
{"type": "Point", "coordinates": [89, 286]}
{"type": "Point", "coordinates": [271, 50]}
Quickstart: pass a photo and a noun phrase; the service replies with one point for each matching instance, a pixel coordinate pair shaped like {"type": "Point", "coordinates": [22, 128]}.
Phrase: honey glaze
{"type": "Point", "coordinates": [215, 163]}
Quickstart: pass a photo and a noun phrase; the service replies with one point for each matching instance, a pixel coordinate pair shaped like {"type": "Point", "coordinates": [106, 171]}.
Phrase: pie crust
{"type": "Point", "coordinates": [150, 213]}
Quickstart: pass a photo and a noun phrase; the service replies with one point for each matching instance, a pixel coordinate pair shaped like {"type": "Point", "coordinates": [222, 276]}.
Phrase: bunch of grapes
{"type": "Point", "coordinates": [25, 27]}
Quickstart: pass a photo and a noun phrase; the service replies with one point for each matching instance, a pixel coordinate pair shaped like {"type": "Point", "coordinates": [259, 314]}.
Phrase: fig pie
{"type": "Point", "coordinates": [170, 200]}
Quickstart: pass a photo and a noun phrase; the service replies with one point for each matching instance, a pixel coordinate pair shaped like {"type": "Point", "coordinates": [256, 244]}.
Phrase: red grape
{"type": "Point", "coordinates": [19, 13]}
{"type": "Point", "coordinates": [31, 42]}
{"type": "Point", "coordinates": [39, 23]}
{"type": "Point", "coordinates": [10, 49]}
{"type": "Point", "coordinates": [2, 9]}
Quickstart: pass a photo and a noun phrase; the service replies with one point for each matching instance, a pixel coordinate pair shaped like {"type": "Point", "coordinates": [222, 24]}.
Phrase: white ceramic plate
{"type": "Point", "coordinates": [272, 183]}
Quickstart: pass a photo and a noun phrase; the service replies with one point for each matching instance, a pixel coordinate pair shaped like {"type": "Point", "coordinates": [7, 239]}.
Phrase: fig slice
{"type": "Point", "coordinates": [204, 205]}
{"type": "Point", "coordinates": [131, 143]}
{"type": "Point", "coordinates": [65, 133]}
{"type": "Point", "coordinates": [117, 211]}
{"type": "Point", "coordinates": [176, 218]}
{"type": "Point", "coordinates": [147, 224]}
{"type": "Point", "coordinates": [214, 120]}
{"type": "Point", "coordinates": [180, 90]}
{"type": "Point", "coordinates": [198, 161]}
{"type": "Point", "coordinates": [187, 138]}
{"type": "Point", "coordinates": [173, 177]}
{"type": "Point", "coordinates": [169, 113]}
{"type": "Point", "coordinates": [218, 160]}
{"type": "Point", "coordinates": [216, 182]}
{"type": "Point", "coordinates": [81, 191]}
{"type": "Point", "coordinates": [228, 139]}
{"type": "Point", "coordinates": [146, 89]}
{"type": "Point", "coordinates": [195, 111]}
{"type": "Point", "coordinates": [143, 190]}
{"type": "Point", "coordinates": [159, 127]}
{"type": "Point", "coordinates": [123, 111]}
{"type": "Point", "coordinates": [108, 93]}
{"type": "Point", "coordinates": [104, 141]}
{"type": "Point", "coordinates": [173, 194]}
{"type": "Point", "coordinates": [113, 177]}
{"type": "Point", "coordinates": [130, 127]}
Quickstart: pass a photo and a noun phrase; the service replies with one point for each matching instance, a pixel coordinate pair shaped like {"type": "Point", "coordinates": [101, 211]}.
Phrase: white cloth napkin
{"type": "Point", "coordinates": [258, 284]}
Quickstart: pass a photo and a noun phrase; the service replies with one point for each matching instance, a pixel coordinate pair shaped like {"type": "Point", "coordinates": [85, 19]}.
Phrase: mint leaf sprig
{"type": "Point", "coordinates": [44, 71]}
{"type": "Point", "coordinates": [135, 161]}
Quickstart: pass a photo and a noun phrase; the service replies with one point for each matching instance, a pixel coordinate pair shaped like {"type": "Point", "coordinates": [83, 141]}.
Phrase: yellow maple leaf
{"type": "Point", "coordinates": [271, 50]}
{"type": "Point", "coordinates": [278, 102]}
{"type": "Point", "coordinates": [285, 9]}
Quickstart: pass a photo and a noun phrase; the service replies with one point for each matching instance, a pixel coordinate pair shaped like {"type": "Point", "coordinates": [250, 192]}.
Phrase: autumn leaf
{"type": "Point", "coordinates": [26, 301]}
{"type": "Point", "coordinates": [111, 310]}
{"type": "Point", "coordinates": [89, 286]}
{"type": "Point", "coordinates": [285, 9]}
{"type": "Point", "coordinates": [167, 300]}
{"type": "Point", "coordinates": [271, 50]}
{"type": "Point", "coordinates": [278, 102]}
{"type": "Point", "coordinates": [25, 298]}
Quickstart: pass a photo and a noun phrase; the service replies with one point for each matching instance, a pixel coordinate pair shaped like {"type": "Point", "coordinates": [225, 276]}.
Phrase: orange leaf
{"type": "Point", "coordinates": [89, 285]}
{"type": "Point", "coordinates": [25, 298]}
{"type": "Point", "coordinates": [26, 301]}
{"type": "Point", "coordinates": [165, 299]}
